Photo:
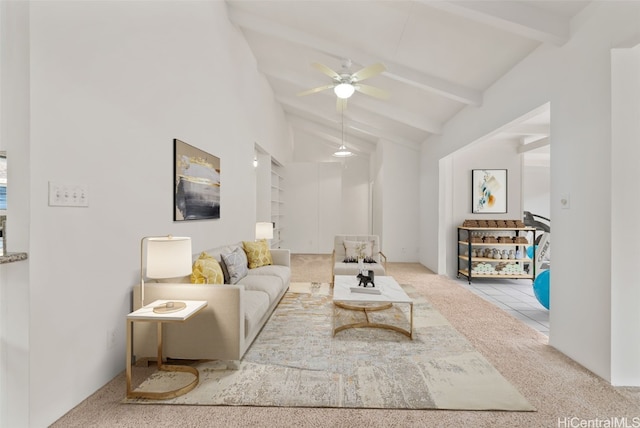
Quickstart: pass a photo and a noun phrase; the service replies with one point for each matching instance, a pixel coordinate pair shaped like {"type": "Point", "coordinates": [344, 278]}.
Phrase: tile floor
{"type": "Point", "coordinates": [513, 296]}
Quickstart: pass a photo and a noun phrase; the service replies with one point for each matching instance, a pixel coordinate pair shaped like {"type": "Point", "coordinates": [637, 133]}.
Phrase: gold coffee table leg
{"type": "Point", "coordinates": [367, 323]}
{"type": "Point", "coordinates": [380, 307]}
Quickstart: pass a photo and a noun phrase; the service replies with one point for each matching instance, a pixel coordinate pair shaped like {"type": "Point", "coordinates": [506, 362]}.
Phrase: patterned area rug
{"type": "Point", "coordinates": [297, 362]}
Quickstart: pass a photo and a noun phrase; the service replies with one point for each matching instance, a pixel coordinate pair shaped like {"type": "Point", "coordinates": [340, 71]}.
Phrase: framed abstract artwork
{"type": "Point", "coordinates": [489, 191]}
{"type": "Point", "coordinates": [196, 193]}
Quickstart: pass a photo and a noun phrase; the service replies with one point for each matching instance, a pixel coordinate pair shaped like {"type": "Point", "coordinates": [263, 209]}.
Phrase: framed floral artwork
{"type": "Point", "coordinates": [489, 191]}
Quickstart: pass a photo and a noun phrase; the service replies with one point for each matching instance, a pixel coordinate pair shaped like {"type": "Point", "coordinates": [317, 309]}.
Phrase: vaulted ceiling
{"type": "Point", "coordinates": [439, 57]}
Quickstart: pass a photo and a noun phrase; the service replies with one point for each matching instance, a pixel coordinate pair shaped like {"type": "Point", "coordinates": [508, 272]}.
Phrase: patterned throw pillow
{"type": "Point", "coordinates": [207, 270]}
{"type": "Point", "coordinates": [358, 250]}
{"type": "Point", "coordinates": [236, 262]}
{"type": "Point", "coordinates": [258, 253]}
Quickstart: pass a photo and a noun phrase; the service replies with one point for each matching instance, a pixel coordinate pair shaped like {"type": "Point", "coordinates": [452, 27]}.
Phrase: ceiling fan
{"type": "Point", "coordinates": [345, 83]}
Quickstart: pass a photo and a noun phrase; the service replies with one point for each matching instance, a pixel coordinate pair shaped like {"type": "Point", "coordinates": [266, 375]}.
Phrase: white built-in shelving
{"type": "Point", "coordinates": [277, 203]}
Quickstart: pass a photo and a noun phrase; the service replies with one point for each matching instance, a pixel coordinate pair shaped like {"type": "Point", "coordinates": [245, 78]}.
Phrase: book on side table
{"type": "Point", "coordinates": [364, 290]}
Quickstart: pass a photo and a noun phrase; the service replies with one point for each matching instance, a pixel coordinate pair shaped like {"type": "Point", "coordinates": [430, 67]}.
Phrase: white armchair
{"type": "Point", "coordinates": [348, 248]}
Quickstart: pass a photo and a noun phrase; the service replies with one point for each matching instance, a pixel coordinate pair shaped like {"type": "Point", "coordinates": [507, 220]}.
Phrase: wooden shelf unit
{"type": "Point", "coordinates": [466, 247]}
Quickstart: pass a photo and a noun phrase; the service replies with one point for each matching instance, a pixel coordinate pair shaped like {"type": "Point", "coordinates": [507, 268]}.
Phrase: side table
{"type": "Point", "coordinates": [146, 314]}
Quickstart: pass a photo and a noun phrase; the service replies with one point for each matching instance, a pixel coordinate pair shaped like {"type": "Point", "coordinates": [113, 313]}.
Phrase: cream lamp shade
{"type": "Point", "coordinates": [166, 257]}
{"type": "Point", "coordinates": [264, 230]}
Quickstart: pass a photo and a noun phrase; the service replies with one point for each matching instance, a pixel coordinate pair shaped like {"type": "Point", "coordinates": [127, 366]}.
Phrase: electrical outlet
{"type": "Point", "coordinates": [68, 195]}
{"type": "Point", "coordinates": [111, 338]}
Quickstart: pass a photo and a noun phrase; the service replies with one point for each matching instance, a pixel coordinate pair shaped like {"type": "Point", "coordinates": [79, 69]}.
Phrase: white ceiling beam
{"type": "Point", "coordinates": [383, 135]}
{"type": "Point", "coordinates": [335, 134]}
{"type": "Point", "coordinates": [371, 117]}
{"type": "Point", "coordinates": [355, 122]}
{"type": "Point", "coordinates": [512, 16]}
{"type": "Point", "coordinates": [321, 139]}
{"type": "Point", "coordinates": [330, 135]}
{"type": "Point", "coordinates": [394, 71]}
{"type": "Point", "coordinates": [543, 142]}
{"type": "Point", "coordinates": [380, 108]}
{"type": "Point", "coordinates": [529, 129]}
{"type": "Point", "coordinates": [397, 114]}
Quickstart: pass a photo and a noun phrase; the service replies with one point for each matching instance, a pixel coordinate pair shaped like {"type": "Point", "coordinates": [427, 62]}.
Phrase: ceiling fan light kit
{"type": "Point", "coordinates": [344, 90]}
{"type": "Point", "coordinates": [345, 84]}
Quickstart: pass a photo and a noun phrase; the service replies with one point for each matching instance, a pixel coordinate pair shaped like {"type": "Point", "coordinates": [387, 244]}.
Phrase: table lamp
{"type": "Point", "coordinates": [264, 230]}
{"type": "Point", "coordinates": [167, 257]}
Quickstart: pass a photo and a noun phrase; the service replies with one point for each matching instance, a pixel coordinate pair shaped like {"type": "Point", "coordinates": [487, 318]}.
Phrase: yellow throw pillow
{"type": "Point", "coordinates": [258, 253]}
{"type": "Point", "coordinates": [207, 270]}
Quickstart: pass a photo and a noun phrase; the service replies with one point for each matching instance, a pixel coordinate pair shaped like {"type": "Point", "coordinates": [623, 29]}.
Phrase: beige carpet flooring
{"type": "Point", "coordinates": [563, 392]}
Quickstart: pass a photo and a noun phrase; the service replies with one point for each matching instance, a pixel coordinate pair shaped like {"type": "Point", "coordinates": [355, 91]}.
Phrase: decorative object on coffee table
{"type": "Point", "coordinates": [365, 280]}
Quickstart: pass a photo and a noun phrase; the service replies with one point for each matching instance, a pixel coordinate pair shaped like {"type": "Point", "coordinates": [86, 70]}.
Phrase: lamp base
{"type": "Point", "coordinates": [169, 307]}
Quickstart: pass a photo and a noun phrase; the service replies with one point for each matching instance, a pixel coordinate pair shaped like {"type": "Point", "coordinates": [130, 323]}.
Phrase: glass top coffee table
{"type": "Point", "coordinates": [390, 293]}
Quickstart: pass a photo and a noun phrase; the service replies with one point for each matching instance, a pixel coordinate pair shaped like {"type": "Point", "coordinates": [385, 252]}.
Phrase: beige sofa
{"type": "Point", "coordinates": [225, 329]}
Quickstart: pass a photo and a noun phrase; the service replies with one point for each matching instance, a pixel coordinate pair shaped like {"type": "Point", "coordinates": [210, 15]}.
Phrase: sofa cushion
{"type": "Point", "coordinates": [258, 253]}
{"type": "Point", "coordinates": [272, 285]}
{"type": "Point", "coordinates": [256, 304]}
{"type": "Point", "coordinates": [236, 263]}
{"type": "Point", "coordinates": [282, 272]}
{"type": "Point", "coordinates": [207, 270]}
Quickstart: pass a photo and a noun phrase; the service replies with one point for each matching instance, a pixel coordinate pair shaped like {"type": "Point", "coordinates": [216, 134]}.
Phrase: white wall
{"type": "Point", "coordinates": [378, 194]}
{"type": "Point", "coordinates": [400, 216]}
{"type": "Point", "coordinates": [347, 180]}
{"type": "Point", "coordinates": [314, 215]}
{"type": "Point", "coordinates": [625, 230]}
{"type": "Point", "coordinates": [536, 188]}
{"type": "Point", "coordinates": [355, 196]}
{"type": "Point", "coordinates": [112, 83]}
{"type": "Point", "coordinates": [14, 277]}
{"type": "Point", "coordinates": [576, 80]}
{"type": "Point", "coordinates": [301, 233]}
{"type": "Point", "coordinates": [489, 155]}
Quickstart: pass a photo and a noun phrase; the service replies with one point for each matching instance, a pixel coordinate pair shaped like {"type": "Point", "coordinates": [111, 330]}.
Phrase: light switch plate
{"type": "Point", "coordinates": [68, 195]}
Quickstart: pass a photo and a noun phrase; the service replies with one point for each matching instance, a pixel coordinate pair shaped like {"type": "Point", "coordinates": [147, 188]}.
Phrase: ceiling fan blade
{"type": "Point", "coordinates": [372, 91]}
{"type": "Point", "coordinates": [367, 72]}
{"type": "Point", "coordinates": [314, 90]}
{"type": "Point", "coordinates": [326, 70]}
{"type": "Point", "coordinates": [341, 104]}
